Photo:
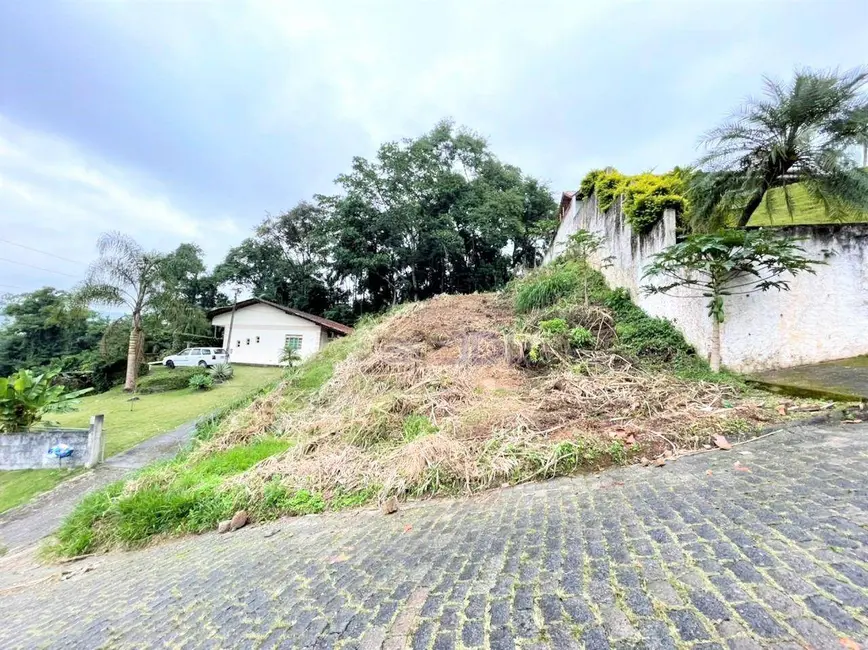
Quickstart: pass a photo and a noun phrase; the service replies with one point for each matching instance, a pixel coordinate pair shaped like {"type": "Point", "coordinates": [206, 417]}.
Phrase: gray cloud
{"type": "Point", "coordinates": [188, 121]}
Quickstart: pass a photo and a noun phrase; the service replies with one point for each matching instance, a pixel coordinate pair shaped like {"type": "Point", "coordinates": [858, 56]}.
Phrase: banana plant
{"type": "Point", "coordinates": [26, 397]}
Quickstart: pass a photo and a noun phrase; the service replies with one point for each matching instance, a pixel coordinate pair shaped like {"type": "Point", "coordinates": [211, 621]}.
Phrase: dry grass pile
{"type": "Point", "coordinates": [434, 398]}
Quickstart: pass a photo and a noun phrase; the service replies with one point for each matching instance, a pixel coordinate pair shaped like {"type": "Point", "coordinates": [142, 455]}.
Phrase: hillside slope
{"type": "Point", "coordinates": [452, 395]}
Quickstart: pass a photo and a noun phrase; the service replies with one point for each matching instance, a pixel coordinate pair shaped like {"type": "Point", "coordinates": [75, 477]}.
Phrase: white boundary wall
{"type": "Point", "coordinates": [822, 317]}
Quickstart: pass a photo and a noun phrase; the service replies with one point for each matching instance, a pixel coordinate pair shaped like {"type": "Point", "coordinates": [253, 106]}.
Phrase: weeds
{"type": "Point", "coordinates": [450, 396]}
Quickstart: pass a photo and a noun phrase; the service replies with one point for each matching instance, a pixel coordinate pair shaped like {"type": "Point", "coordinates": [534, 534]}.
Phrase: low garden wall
{"type": "Point", "coordinates": [29, 450]}
{"type": "Point", "coordinates": [823, 316]}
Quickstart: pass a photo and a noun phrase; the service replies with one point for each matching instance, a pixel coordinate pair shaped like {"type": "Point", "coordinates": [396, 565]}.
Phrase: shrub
{"type": "Point", "coordinates": [646, 196]}
{"type": "Point", "coordinates": [165, 380]}
{"type": "Point", "coordinates": [201, 382]}
{"type": "Point", "coordinates": [586, 187]}
{"type": "Point", "coordinates": [107, 374]}
{"type": "Point", "coordinates": [221, 372]}
{"type": "Point", "coordinates": [581, 337]}
{"type": "Point", "coordinates": [553, 326]}
{"type": "Point", "coordinates": [545, 288]}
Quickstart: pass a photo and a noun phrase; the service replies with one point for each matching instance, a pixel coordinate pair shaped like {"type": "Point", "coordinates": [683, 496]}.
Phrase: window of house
{"type": "Point", "coordinates": [257, 339]}
{"type": "Point", "coordinates": [238, 343]}
{"type": "Point", "coordinates": [293, 341]}
{"type": "Point", "coordinates": [248, 341]}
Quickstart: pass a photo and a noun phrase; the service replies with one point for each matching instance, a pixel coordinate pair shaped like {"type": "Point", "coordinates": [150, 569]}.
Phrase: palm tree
{"type": "Point", "coordinates": [798, 133]}
{"type": "Point", "coordinates": [124, 275]}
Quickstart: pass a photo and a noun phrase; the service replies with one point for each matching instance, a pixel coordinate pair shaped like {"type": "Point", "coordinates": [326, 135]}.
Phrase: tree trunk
{"type": "Point", "coordinates": [752, 205]}
{"type": "Point", "coordinates": [715, 344]}
{"type": "Point", "coordinates": [133, 355]}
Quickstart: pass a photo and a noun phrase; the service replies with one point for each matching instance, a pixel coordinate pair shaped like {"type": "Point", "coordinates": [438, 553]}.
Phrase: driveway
{"type": "Point", "coordinates": [701, 553]}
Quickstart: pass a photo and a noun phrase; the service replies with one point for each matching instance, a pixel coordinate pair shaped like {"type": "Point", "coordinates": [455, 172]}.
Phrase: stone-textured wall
{"type": "Point", "coordinates": [30, 450]}
{"type": "Point", "coordinates": [823, 316]}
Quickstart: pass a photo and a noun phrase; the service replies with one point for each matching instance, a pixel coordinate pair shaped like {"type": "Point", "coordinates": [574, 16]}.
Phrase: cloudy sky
{"type": "Point", "coordinates": [189, 120]}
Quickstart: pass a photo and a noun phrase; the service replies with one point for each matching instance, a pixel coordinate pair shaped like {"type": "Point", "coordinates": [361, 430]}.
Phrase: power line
{"type": "Point", "coordinates": [38, 268]}
{"type": "Point", "coordinates": [36, 250]}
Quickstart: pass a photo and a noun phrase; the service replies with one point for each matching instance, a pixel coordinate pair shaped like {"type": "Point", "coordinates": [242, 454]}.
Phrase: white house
{"type": "Point", "coordinates": [260, 329]}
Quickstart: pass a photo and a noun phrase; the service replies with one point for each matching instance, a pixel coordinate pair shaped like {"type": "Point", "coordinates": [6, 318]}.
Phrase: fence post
{"type": "Point", "coordinates": [94, 441]}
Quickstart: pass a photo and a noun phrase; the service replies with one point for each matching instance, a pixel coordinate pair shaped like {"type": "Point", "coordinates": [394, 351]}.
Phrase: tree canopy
{"type": "Point", "coordinates": [45, 326]}
{"type": "Point", "coordinates": [435, 214]}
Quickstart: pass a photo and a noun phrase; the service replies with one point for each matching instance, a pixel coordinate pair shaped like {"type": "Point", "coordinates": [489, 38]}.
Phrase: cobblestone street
{"type": "Point", "coordinates": [771, 553]}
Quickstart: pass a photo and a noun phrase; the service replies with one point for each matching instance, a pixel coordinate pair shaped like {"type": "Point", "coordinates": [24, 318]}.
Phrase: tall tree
{"type": "Point", "coordinates": [435, 214]}
{"type": "Point", "coordinates": [284, 261]}
{"type": "Point", "coordinates": [797, 133]}
{"type": "Point", "coordinates": [125, 275]}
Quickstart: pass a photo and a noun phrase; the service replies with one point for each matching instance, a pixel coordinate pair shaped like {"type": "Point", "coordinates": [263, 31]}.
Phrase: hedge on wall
{"type": "Point", "coordinates": [646, 196]}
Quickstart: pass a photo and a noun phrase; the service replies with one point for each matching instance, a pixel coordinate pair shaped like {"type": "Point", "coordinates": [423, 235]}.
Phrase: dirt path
{"type": "Point", "coordinates": [26, 525]}
{"type": "Point", "coordinates": [764, 546]}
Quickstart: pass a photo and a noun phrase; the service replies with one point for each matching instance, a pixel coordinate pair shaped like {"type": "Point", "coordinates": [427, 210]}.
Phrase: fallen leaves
{"type": "Point", "coordinates": [408, 528]}
{"type": "Point", "coordinates": [722, 442]}
{"type": "Point", "coordinates": [738, 467]}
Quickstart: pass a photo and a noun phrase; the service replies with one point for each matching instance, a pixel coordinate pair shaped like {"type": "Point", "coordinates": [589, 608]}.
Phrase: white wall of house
{"type": "Point", "coordinates": [824, 316]}
{"type": "Point", "coordinates": [259, 333]}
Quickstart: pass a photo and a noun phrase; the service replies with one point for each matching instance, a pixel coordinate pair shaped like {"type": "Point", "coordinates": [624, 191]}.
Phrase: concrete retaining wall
{"type": "Point", "coordinates": [30, 450]}
{"type": "Point", "coordinates": [823, 316]}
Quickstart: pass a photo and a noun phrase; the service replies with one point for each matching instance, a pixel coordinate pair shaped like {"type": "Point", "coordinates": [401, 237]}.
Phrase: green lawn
{"type": "Point", "coordinates": [21, 485]}
{"type": "Point", "coordinates": [806, 211]}
{"type": "Point", "coordinates": [129, 423]}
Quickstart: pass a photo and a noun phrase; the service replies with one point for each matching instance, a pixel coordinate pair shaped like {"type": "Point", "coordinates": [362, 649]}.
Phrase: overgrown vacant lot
{"type": "Point", "coordinates": [453, 395]}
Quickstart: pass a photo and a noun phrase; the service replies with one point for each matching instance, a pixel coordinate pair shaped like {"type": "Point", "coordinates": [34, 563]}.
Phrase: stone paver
{"type": "Point", "coordinates": [697, 554]}
{"type": "Point", "coordinates": [29, 523]}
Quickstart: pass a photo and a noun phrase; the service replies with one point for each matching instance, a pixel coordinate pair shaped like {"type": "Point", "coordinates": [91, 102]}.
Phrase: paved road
{"type": "Point", "coordinates": [26, 525]}
{"type": "Point", "coordinates": [697, 554]}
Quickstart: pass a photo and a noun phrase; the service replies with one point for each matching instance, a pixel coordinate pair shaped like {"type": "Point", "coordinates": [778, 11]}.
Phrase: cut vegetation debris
{"type": "Point", "coordinates": [453, 395]}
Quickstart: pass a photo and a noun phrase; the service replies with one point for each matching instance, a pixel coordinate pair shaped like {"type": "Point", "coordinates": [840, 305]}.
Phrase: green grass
{"type": "Point", "coordinates": [129, 423]}
{"type": "Point", "coordinates": [19, 486]}
{"type": "Point", "coordinates": [806, 211]}
{"type": "Point", "coordinates": [173, 497]}
{"type": "Point", "coordinates": [188, 495]}
{"type": "Point", "coordinates": [150, 416]}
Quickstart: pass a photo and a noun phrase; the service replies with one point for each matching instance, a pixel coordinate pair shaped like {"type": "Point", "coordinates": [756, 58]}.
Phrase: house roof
{"type": "Point", "coordinates": [334, 326]}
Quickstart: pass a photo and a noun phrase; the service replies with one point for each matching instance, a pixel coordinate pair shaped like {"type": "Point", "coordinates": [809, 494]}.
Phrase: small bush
{"type": "Point", "coordinates": [165, 380]}
{"type": "Point", "coordinates": [545, 288]}
{"type": "Point", "coordinates": [581, 337]}
{"type": "Point", "coordinates": [201, 382]}
{"type": "Point", "coordinates": [652, 337]}
{"type": "Point", "coordinates": [221, 372]}
{"type": "Point", "coordinates": [553, 326]}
